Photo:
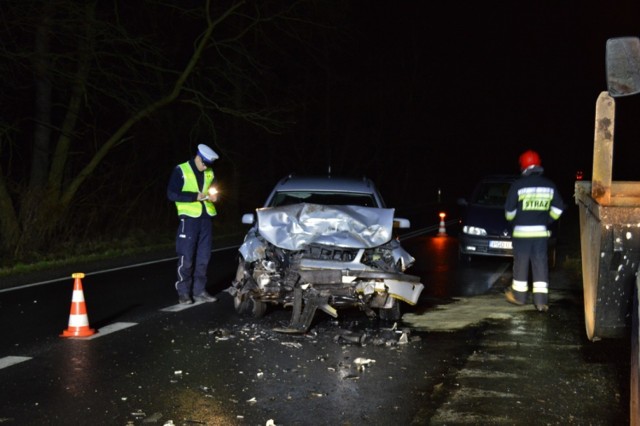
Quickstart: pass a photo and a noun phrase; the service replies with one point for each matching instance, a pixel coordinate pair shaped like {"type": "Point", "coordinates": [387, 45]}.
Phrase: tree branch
{"type": "Point", "coordinates": [120, 133]}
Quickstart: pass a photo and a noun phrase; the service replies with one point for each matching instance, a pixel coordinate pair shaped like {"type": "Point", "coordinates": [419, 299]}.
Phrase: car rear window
{"type": "Point", "coordinates": [326, 198]}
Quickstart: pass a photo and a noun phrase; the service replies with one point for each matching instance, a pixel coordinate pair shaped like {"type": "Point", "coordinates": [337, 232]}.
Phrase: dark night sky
{"type": "Point", "coordinates": [416, 95]}
{"type": "Point", "coordinates": [469, 85]}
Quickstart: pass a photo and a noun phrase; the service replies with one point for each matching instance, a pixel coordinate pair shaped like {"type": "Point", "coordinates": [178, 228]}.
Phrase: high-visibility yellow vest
{"type": "Point", "coordinates": [194, 208]}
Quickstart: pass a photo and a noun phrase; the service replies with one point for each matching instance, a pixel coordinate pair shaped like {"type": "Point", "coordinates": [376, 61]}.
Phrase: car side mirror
{"type": "Point", "coordinates": [248, 218]}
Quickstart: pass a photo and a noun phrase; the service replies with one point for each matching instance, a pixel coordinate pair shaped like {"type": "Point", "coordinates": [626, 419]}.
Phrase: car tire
{"type": "Point", "coordinates": [249, 307]}
{"type": "Point", "coordinates": [391, 314]}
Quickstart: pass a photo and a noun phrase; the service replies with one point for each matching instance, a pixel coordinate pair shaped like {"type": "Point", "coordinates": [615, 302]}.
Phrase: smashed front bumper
{"type": "Point", "coordinates": [312, 257]}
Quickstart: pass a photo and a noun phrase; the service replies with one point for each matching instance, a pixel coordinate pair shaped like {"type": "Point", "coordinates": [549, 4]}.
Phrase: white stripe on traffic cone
{"type": "Point", "coordinates": [78, 318]}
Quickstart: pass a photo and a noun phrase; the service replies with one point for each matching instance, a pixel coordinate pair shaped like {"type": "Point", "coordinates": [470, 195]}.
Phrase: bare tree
{"type": "Point", "coordinates": [101, 69]}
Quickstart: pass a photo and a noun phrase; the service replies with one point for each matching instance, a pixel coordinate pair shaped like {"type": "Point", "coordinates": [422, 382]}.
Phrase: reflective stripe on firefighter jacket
{"type": "Point", "coordinates": [194, 208]}
{"type": "Point", "coordinates": [532, 204]}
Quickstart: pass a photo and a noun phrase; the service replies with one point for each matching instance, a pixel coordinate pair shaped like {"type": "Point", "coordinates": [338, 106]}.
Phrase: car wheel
{"type": "Point", "coordinates": [391, 314]}
{"type": "Point", "coordinates": [249, 307]}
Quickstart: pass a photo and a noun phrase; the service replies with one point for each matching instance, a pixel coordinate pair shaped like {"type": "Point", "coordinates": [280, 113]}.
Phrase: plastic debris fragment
{"type": "Point", "coordinates": [404, 337]}
{"type": "Point", "coordinates": [361, 363]}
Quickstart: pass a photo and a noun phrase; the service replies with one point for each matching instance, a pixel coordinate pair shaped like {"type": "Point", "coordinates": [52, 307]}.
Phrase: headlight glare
{"type": "Point", "coordinates": [474, 230]}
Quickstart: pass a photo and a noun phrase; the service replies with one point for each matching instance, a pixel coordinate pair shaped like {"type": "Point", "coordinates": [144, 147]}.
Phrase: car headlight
{"type": "Point", "coordinates": [474, 230]}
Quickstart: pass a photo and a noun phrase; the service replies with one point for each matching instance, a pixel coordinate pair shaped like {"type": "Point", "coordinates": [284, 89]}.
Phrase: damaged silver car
{"type": "Point", "coordinates": [323, 243]}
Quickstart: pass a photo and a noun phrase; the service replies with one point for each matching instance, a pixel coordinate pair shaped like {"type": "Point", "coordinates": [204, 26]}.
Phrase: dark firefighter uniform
{"type": "Point", "coordinates": [533, 202]}
{"type": "Point", "coordinates": [194, 236]}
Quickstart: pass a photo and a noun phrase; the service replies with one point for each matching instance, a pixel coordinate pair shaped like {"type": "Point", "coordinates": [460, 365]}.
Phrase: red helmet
{"type": "Point", "coordinates": [529, 158]}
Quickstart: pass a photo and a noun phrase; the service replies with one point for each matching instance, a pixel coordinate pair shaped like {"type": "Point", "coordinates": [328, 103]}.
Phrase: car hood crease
{"type": "Point", "coordinates": [295, 226]}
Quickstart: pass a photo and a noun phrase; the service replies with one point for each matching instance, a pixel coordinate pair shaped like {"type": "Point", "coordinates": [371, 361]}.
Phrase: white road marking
{"type": "Point", "coordinates": [107, 270]}
{"type": "Point", "coordinates": [180, 307]}
{"type": "Point", "coordinates": [111, 328]}
{"type": "Point", "coordinates": [8, 361]}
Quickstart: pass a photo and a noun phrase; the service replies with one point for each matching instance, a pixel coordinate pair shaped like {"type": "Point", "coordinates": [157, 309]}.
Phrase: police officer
{"type": "Point", "coordinates": [533, 202]}
{"type": "Point", "coordinates": [190, 188]}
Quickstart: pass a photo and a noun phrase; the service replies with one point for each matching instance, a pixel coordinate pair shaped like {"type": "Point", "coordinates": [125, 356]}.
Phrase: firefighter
{"type": "Point", "coordinates": [533, 202]}
{"type": "Point", "coordinates": [190, 188]}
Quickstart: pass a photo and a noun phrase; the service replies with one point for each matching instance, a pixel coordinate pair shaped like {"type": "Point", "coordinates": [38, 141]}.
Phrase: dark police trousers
{"type": "Point", "coordinates": [193, 247]}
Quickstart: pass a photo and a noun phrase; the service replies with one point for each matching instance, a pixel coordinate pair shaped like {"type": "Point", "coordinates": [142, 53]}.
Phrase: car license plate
{"type": "Point", "coordinates": [500, 244]}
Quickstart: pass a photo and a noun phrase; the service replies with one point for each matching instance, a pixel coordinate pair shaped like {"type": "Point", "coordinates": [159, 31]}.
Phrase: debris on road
{"type": "Point", "coordinates": [361, 362]}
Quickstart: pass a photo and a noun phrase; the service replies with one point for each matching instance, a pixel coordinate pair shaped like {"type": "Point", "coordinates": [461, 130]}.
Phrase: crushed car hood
{"type": "Point", "coordinates": [295, 226]}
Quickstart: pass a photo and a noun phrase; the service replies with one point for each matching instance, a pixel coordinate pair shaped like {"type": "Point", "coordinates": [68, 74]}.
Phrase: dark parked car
{"type": "Point", "coordinates": [323, 243]}
{"type": "Point", "coordinates": [485, 230]}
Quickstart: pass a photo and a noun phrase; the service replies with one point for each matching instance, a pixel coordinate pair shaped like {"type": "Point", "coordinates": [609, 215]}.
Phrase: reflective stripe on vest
{"type": "Point", "coordinates": [530, 231]}
{"type": "Point", "coordinates": [194, 208]}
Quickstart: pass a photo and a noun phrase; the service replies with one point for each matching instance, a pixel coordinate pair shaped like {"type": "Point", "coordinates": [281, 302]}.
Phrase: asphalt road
{"type": "Point", "coordinates": [461, 356]}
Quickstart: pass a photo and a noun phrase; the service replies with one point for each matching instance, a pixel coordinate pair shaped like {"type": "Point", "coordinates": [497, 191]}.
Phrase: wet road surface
{"type": "Point", "coordinates": [462, 356]}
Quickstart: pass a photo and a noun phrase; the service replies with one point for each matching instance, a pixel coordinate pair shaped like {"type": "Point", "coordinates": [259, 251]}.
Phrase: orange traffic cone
{"type": "Point", "coordinates": [78, 319]}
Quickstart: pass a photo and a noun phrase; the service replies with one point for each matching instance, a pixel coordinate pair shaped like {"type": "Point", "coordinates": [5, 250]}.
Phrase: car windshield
{"type": "Point", "coordinates": [325, 198]}
{"type": "Point", "coordinates": [491, 193]}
